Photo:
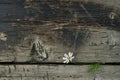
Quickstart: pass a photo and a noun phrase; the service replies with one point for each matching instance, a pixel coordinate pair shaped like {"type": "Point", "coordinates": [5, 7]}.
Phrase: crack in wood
{"type": "Point", "coordinates": [55, 63]}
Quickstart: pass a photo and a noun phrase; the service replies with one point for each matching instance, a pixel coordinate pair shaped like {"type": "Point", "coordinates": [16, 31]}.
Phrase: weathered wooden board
{"type": "Point", "coordinates": [89, 43]}
{"type": "Point", "coordinates": [30, 20]}
{"type": "Point", "coordinates": [57, 72]}
{"type": "Point", "coordinates": [8, 1]}
{"type": "Point", "coordinates": [35, 35]}
{"type": "Point", "coordinates": [12, 12]}
{"type": "Point", "coordinates": [38, 10]}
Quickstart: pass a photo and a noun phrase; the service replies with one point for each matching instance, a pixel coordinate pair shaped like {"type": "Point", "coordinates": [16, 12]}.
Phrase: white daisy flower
{"type": "Point", "coordinates": [68, 57]}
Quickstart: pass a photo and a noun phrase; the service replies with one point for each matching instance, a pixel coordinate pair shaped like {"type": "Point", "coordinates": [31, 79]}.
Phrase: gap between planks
{"type": "Point", "coordinates": [53, 63]}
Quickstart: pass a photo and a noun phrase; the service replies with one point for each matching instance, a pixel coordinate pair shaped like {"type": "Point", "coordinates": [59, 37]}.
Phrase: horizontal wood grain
{"type": "Point", "coordinates": [88, 43]}
{"type": "Point", "coordinates": [11, 12]}
{"type": "Point", "coordinates": [24, 23]}
{"type": "Point", "coordinates": [106, 2]}
{"type": "Point", "coordinates": [57, 72]}
{"type": "Point", "coordinates": [35, 35]}
{"type": "Point", "coordinates": [27, 10]}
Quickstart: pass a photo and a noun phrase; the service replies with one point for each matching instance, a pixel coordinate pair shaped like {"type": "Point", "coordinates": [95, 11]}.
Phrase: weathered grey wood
{"type": "Point", "coordinates": [37, 31]}
{"type": "Point", "coordinates": [27, 10]}
{"type": "Point", "coordinates": [57, 72]}
{"type": "Point", "coordinates": [91, 44]}
{"type": "Point", "coordinates": [12, 12]}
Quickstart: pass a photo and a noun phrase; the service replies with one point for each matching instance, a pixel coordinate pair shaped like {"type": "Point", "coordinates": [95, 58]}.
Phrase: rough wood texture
{"type": "Point", "coordinates": [57, 27]}
{"type": "Point", "coordinates": [92, 43]}
{"type": "Point", "coordinates": [57, 72]}
{"type": "Point", "coordinates": [34, 33]}
{"type": "Point", "coordinates": [38, 10]}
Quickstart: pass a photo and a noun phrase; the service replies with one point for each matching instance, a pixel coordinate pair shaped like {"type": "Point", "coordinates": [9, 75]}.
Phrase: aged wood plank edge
{"type": "Point", "coordinates": [55, 78]}
{"type": "Point", "coordinates": [107, 2]}
{"type": "Point", "coordinates": [59, 71]}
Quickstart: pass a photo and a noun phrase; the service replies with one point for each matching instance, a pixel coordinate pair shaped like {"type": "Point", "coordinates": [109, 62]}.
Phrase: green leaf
{"type": "Point", "coordinates": [93, 67]}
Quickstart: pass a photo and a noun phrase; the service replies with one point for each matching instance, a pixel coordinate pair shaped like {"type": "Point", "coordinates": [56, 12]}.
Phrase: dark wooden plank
{"type": "Point", "coordinates": [57, 72]}
{"type": "Point", "coordinates": [12, 1]}
{"type": "Point", "coordinates": [89, 43]}
{"type": "Point", "coordinates": [47, 23]}
{"type": "Point", "coordinates": [59, 11]}
{"type": "Point", "coordinates": [12, 12]}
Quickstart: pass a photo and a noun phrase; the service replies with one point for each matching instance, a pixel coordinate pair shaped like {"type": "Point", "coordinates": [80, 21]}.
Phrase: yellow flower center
{"type": "Point", "coordinates": [68, 57]}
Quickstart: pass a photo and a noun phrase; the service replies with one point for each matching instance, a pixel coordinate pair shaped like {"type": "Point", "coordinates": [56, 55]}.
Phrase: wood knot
{"type": "Point", "coordinates": [112, 41]}
{"type": "Point", "coordinates": [3, 36]}
{"type": "Point", "coordinates": [38, 51]}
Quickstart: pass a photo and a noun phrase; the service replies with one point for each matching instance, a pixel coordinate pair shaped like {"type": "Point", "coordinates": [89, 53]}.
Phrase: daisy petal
{"type": "Point", "coordinates": [64, 58]}
{"type": "Point", "coordinates": [67, 61]}
{"type": "Point", "coordinates": [70, 53]}
{"type": "Point", "coordinates": [73, 57]}
{"type": "Point", "coordinates": [65, 55]}
{"type": "Point", "coordinates": [64, 61]}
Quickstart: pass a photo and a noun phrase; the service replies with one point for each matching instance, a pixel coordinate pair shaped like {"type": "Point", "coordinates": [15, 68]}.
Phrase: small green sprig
{"type": "Point", "coordinates": [94, 67]}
